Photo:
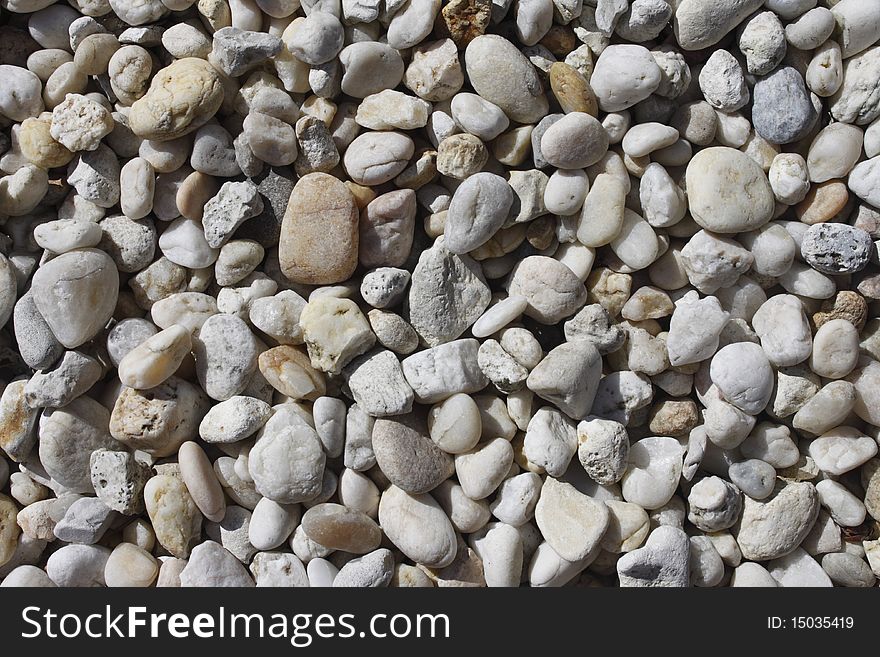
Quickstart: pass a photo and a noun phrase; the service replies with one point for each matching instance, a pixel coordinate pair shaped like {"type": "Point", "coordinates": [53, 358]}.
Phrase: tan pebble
{"type": "Point", "coordinates": [465, 20]}
{"type": "Point", "coordinates": [192, 194]}
{"type": "Point", "coordinates": [38, 145]}
{"type": "Point", "coordinates": [175, 517]}
{"type": "Point", "coordinates": [459, 156]}
{"type": "Point", "coordinates": [201, 482]}
{"type": "Point", "coordinates": [847, 305]}
{"type": "Point", "coordinates": [572, 90]}
{"type": "Point", "coordinates": [822, 202]}
{"type": "Point", "coordinates": [9, 529]}
{"type": "Point", "coordinates": [673, 417]}
{"type": "Point", "coordinates": [319, 233]}
{"type": "Point", "coordinates": [181, 98]}
{"type": "Point", "coordinates": [341, 528]}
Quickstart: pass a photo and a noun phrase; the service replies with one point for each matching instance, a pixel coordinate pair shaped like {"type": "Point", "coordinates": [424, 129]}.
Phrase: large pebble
{"type": "Point", "coordinates": [572, 523]}
{"type": "Point", "coordinates": [727, 191]}
{"type": "Point", "coordinates": [319, 236]}
{"type": "Point", "coordinates": [418, 527]}
{"type": "Point", "coordinates": [501, 74]}
{"type": "Point", "coordinates": [775, 526]}
{"type": "Point", "coordinates": [76, 294]}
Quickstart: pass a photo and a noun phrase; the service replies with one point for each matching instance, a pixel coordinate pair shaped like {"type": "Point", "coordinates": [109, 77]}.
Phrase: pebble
{"type": "Point", "coordinates": [763, 41]}
{"type": "Point", "coordinates": [118, 479]}
{"type": "Point", "coordinates": [478, 209]}
{"type": "Point", "coordinates": [78, 565]}
{"type": "Point", "coordinates": [841, 450]}
{"type": "Point", "coordinates": [502, 75]}
{"type": "Point", "coordinates": [339, 528]}
{"type": "Point", "coordinates": [699, 25]}
{"type": "Point", "coordinates": [664, 561]}
{"type": "Point", "coordinates": [84, 522]}
{"type": "Point", "coordinates": [278, 569]}
{"type": "Point", "coordinates": [130, 566]}
{"type": "Point", "coordinates": [743, 375]}
{"type": "Point", "coordinates": [624, 75]}
{"type": "Point", "coordinates": [575, 141]}
{"type": "Point", "coordinates": [226, 356]}
{"type": "Point", "coordinates": [734, 177]}
{"type": "Point", "coordinates": [550, 441]}
{"type": "Point", "coordinates": [174, 515]}
{"type": "Point", "coordinates": [407, 456]}
{"type": "Point", "coordinates": [798, 569]}
{"type": "Point", "coordinates": [603, 450]}
{"type": "Point", "coordinates": [833, 248]}
{"type": "Point", "coordinates": [722, 81]}
{"type": "Point", "coordinates": [287, 463]}
{"type": "Point", "coordinates": [418, 527]}
{"type": "Point", "coordinates": [198, 475]}
{"type": "Point", "coordinates": [180, 99]}
{"type": "Point", "coordinates": [155, 359]}
{"type": "Point", "coordinates": [782, 111]}
{"type": "Point", "coordinates": [714, 504]}
{"type": "Point", "coordinates": [568, 377]}
{"type": "Point", "coordinates": [210, 565]}
{"type": "Point", "coordinates": [653, 472]}
{"type": "Point", "coordinates": [848, 570]}
{"type": "Point", "coordinates": [373, 570]}
{"type": "Point", "coordinates": [374, 158]}
{"type": "Point", "coordinates": [775, 526]}
{"type": "Point", "coordinates": [781, 325]}
{"type": "Point", "coordinates": [846, 509]}
{"type": "Point", "coordinates": [88, 275]}
{"type": "Point", "coordinates": [572, 523]}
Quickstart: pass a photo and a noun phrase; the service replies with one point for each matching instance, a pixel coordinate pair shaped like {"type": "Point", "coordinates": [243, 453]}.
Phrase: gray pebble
{"type": "Point", "coordinates": [95, 176]}
{"type": "Point", "coordinates": [85, 522]}
{"type": "Point", "coordinates": [537, 134]}
{"type": "Point", "coordinates": [846, 569]}
{"type": "Point", "coordinates": [68, 436]}
{"type": "Point", "coordinates": [224, 213]}
{"type": "Point", "coordinates": [447, 294]}
{"type": "Point", "coordinates": [131, 243]}
{"type": "Point", "coordinates": [753, 477]}
{"type": "Point", "coordinates": [592, 323]}
{"type": "Point", "coordinates": [72, 376]}
{"type": "Point", "coordinates": [408, 457]}
{"type": "Point", "coordinates": [782, 111]}
{"type": "Point", "coordinates": [833, 248]}
{"type": "Point", "coordinates": [236, 51]}
{"type": "Point", "coordinates": [126, 335]}
{"type": "Point", "coordinates": [226, 356]}
{"type": "Point", "coordinates": [119, 479]}
{"type": "Point", "coordinates": [213, 151]}
{"type": "Point", "coordinates": [358, 454]}
{"type": "Point", "coordinates": [37, 345]}
{"type": "Point", "coordinates": [479, 207]}
{"type": "Point", "coordinates": [377, 384]}
{"type": "Point", "coordinates": [373, 570]}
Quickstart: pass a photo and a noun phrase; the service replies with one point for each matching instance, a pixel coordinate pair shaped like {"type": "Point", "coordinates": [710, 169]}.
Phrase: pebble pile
{"type": "Point", "coordinates": [440, 293]}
